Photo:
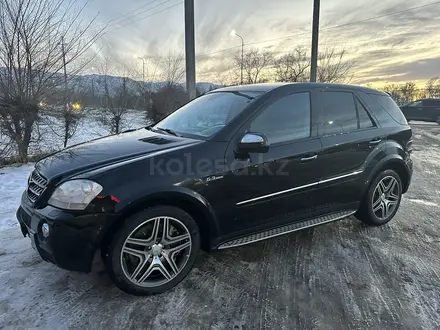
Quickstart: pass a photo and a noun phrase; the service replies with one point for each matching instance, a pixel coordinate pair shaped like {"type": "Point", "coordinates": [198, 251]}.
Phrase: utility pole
{"type": "Point", "coordinates": [143, 69]}
{"type": "Point", "coordinates": [67, 116]}
{"type": "Point", "coordinates": [315, 37]}
{"type": "Point", "coordinates": [190, 49]}
{"type": "Point", "coordinates": [242, 54]}
{"type": "Point", "coordinates": [65, 74]}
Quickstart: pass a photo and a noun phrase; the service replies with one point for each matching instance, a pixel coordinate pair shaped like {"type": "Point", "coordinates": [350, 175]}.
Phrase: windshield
{"type": "Point", "coordinates": [207, 114]}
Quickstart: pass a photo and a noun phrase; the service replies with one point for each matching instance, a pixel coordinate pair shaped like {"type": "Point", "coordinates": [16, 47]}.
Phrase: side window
{"type": "Point", "coordinates": [338, 113]}
{"type": "Point", "coordinates": [364, 118]}
{"type": "Point", "coordinates": [390, 107]}
{"type": "Point", "coordinates": [415, 104]}
{"type": "Point", "coordinates": [431, 103]}
{"type": "Point", "coordinates": [286, 119]}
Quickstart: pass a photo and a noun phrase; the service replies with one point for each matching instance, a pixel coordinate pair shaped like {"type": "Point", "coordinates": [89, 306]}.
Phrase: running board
{"type": "Point", "coordinates": [287, 229]}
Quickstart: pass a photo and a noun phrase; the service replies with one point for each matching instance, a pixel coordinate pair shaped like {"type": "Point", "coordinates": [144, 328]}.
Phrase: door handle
{"type": "Point", "coordinates": [375, 141]}
{"type": "Point", "coordinates": [308, 159]}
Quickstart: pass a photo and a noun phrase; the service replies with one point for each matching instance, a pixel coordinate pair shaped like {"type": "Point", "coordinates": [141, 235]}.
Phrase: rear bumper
{"type": "Point", "coordinates": [409, 167]}
{"type": "Point", "coordinates": [73, 236]}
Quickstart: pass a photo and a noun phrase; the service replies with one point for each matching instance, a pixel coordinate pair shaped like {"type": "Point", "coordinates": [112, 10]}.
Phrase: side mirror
{"type": "Point", "coordinates": [254, 142]}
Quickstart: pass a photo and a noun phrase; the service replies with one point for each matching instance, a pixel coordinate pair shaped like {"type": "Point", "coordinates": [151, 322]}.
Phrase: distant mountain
{"type": "Point", "coordinates": [96, 84]}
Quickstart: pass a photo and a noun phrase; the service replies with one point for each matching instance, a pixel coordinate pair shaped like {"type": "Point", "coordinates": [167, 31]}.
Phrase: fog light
{"type": "Point", "coordinates": [45, 230]}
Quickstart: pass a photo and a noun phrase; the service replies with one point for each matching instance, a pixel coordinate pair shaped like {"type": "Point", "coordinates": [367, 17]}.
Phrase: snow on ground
{"type": "Point", "coordinates": [50, 136]}
{"type": "Point", "coordinates": [90, 127]}
{"type": "Point", "coordinates": [13, 181]}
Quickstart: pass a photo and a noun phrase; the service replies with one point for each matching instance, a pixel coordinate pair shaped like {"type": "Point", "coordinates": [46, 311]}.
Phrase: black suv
{"type": "Point", "coordinates": [425, 109]}
{"type": "Point", "coordinates": [234, 166]}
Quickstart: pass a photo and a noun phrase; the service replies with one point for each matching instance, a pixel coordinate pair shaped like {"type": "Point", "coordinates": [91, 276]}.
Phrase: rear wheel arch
{"type": "Point", "coordinates": [395, 163]}
{"type": "Point", "coordinates": [199, 211]}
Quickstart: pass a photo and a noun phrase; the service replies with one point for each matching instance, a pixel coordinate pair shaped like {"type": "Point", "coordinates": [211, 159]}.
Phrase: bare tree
{"type": "Point", "coordinates": [117, 97]}
{"type": "Point", "coordinates": [173, 68]}
{"type": "Point", "coordinates": [433, 87]}
{"type": "Point", "coordinates": [5, 148]}
{"type": "Point", "coordinates": [149, 74]}
{"type": "Point", "coordinates": [31, 57]}
{"type": "Point", "coordinates": [293, 67]}
{"type": "Point", "coordinates": [395, 92]}
{"type": "Point", "coordinates": [255, 62]}
{"type": "Point", "coordinates": [409, 91]}
{"type": "Point", "coordinates": [333, 68]}
{"type": "Point", "coordinates": [171, 95]}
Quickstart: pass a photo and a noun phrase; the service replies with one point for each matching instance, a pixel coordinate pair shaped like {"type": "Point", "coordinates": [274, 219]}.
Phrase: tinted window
{"type": "Point", "coordinates": [338, 113]}
{"type": "Point", "coordinates": [390, 107]}
{"type": "Point", "coordinates": [414, 104]}
{"type": "Point", "coordinates": [364, 118]}
{"type": "Point", "coordinates": [208, 113]}
{"type": "Point", "coordinates": [286, 119]}
{"type": "Point", "coordinates": [431, 103]}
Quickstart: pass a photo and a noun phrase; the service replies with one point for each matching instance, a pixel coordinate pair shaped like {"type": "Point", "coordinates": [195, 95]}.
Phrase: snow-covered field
{"type": "Point", "coordinates": [90, 127]}
{"type": "Point", "coordinates": [13, 181]}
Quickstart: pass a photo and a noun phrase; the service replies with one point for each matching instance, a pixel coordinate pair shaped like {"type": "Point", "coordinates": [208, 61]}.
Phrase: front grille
{"type": "Point", "coordinates": [36, 186]}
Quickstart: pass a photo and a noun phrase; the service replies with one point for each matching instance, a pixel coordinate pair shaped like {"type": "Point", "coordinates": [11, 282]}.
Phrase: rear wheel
{"type": "Point", "coordinates": [382, 200]}
{"type": "Point", "coordinates": [154, 250]}
{"type": "Point", "coordinates": [438, 120]}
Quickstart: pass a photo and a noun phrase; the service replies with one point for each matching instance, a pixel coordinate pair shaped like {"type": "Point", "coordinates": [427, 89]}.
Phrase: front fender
{"type": "Point", "coordinates": [187, 199]}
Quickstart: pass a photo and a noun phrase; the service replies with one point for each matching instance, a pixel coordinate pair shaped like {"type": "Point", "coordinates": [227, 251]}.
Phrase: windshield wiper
{"type": "Point", "coordinates": [169, 131]}
{"type": "Point", "coordinates": [244, 95]}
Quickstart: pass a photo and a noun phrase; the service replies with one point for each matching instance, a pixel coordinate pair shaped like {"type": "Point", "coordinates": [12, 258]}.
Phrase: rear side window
{"type": "Point", "coordinates": [286, 119]}
{"type": "Point", "coordinates": [364, 118]}
{"type": "Point", "coordinates": [339, 114]}
{"type": "Point", "coordinates": [390, 107]}
{"type": "Point", "coordinates": [431, 103]}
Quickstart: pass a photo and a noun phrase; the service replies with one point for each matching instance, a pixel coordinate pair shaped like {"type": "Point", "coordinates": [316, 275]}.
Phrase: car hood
{"type": "Point", "coordinates": [108, 150]}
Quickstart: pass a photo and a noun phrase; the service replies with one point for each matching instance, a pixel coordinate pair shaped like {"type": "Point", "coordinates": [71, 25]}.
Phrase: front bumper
{"type": "Point", "coordinates": [73, 236]}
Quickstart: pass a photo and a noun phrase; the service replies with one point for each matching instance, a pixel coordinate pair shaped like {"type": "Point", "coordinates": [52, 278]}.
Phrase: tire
{"type": "Point", "coordinates": [437, 120]}
{"type": "Point", "coordinates": [148, 251]}
{"type": "Point", "coordinates": [378, 200]}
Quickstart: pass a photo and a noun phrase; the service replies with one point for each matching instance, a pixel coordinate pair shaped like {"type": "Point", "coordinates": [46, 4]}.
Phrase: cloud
{"type": "Point", "coordinates": [399, 46]}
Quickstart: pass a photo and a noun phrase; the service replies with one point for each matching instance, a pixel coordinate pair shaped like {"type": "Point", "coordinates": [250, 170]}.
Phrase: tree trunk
{"type": "Point", "coordinates": [22, 151]}
{"type": "Point", "coordinates": [117, 123]}
{"type": "Point", "coordinates": [66, 133]}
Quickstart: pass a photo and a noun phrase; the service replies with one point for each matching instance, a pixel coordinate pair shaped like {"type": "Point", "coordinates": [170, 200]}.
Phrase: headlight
{"type": "Point", "coordinates": [75, 194]}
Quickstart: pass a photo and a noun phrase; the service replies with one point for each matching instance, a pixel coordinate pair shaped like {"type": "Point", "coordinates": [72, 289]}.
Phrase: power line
{"type": "Point", "coordinates": [327, 28]}
{"type": "Point", "coordinates": [140, 19]}
{"type": "Point", "coordinates": [121, 19]}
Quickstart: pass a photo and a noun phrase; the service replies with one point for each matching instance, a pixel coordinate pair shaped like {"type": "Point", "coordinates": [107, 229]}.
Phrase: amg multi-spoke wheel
{"type": "Point", "coordinates": [382, 199]}
{"type": "Point", "coordinates": [385, 197]}
{"type": "Point", "coordinates": [154, 251]}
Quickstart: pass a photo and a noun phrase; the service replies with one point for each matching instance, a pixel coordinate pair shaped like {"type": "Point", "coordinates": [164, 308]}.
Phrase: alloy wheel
{"type": "Point", "coordinates": [156, 251]}
{"type": "Point", "coordinates": [386, 196]}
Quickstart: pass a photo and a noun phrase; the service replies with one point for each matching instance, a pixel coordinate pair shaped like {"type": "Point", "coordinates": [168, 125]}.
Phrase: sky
{"type": "Point", "coordinates": [389, 49]}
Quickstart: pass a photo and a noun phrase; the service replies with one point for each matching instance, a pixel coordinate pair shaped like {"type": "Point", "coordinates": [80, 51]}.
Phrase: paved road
{"type": "Point", "coordinates": [341, 275]}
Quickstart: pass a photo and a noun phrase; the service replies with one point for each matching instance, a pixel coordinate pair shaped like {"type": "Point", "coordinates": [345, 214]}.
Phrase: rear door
{"type": "Point", "coordinates": [413, 110]}
{"type": "Point", "coordinates": [348, 134]}
{"type": "Point", "coordinates": [264, 187]}
{"type": "Point", "coordinates": [431, 109]}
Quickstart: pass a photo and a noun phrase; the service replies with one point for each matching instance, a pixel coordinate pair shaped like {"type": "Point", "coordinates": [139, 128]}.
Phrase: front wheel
{"type": "Point", "coordinates": [154, 250]}
{"type": "Point", "coordinates": [382, 200]}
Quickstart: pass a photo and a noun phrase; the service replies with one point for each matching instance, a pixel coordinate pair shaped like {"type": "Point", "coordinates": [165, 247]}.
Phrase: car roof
{"type": "Point", "coordinates": [271, 86]}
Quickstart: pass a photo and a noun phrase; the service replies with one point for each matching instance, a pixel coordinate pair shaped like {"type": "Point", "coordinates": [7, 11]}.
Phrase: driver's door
{"type": "Point", "coordinates": [264, 187]}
